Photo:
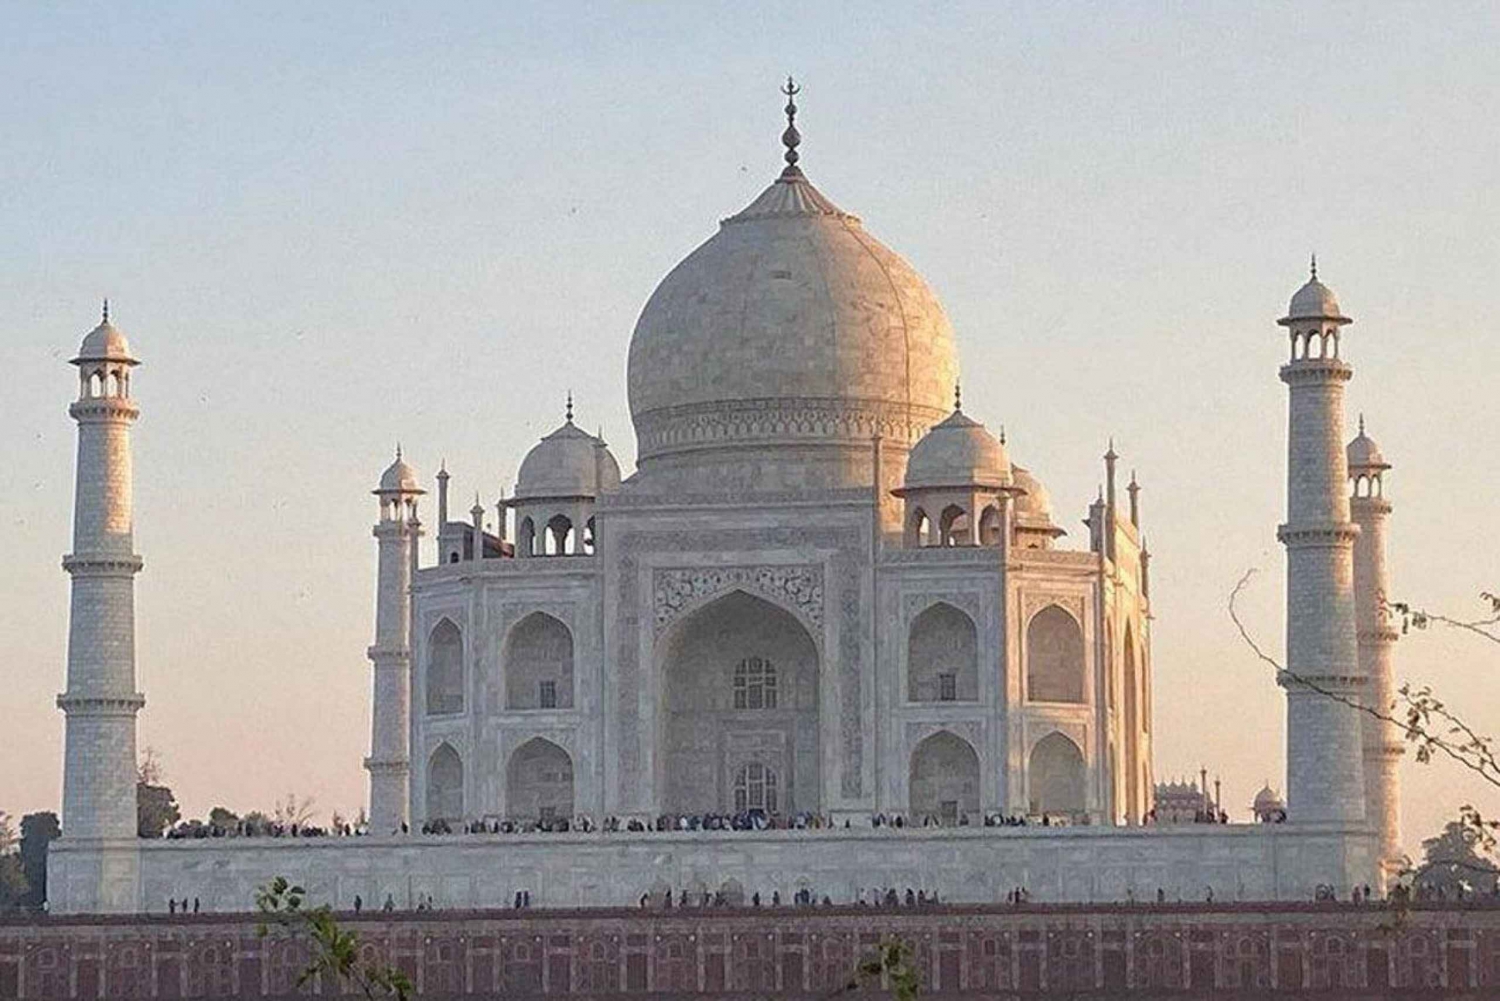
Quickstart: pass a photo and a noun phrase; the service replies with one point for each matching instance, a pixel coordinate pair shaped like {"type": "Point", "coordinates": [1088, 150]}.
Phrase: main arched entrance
{"type": "Point", "coordinates": [739, 720]}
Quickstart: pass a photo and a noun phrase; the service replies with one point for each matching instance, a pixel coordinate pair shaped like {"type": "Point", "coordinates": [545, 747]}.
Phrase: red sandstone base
{"type": "Point", "coordinates": [1235, 951]}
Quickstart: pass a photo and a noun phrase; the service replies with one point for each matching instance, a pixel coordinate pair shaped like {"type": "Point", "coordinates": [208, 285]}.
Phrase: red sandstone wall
{"type": "Point", "coordinates": [1226, 952]}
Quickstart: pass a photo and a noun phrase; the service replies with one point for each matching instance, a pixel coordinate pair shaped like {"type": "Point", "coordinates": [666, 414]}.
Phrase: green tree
{"type": "Point", "coordinates": [333, 951]}
{"type": "Point", "coordinates": [221, 816]}
{"type": "Point", "coordinates": [12, 876]}
{"type": "Point", "coordinates": [1454, 863]}
{"type": "Point", "coordinates": [38, 830]}
{"type": "Point", "coordinates": [155, 806]}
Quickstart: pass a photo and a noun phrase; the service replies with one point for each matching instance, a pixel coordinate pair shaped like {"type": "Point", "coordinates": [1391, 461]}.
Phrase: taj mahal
{"type": "Point", "coordinates": [826, 602]}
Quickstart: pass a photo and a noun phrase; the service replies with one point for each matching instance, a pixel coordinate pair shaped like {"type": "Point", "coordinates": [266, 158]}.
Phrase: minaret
{"type": "Point", "coordinates": [396, 533]}
{"type": "Point", "coordinates": [101, 702]}
{"type": "Point", "coordinates": [1383, 746]}
{"type": "Point", "coordinates": [1324, 774]}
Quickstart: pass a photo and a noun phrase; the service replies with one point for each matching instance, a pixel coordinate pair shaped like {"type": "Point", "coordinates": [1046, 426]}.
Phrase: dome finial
{"type": "Point", "coordinates": [958, 395]}
{"type": "Point", "coordinates": [1314, 266]}
{"type": "Point", "coordinates": [398, 451]}
{"type": "Point", "coordinates": [791, 138]}
{"type": "Point", "coordinates": [1361, 423]}
{"type": "Point", "coordinates": [106, 309]}
{"type": "Point", "coordinates": [568, 412]}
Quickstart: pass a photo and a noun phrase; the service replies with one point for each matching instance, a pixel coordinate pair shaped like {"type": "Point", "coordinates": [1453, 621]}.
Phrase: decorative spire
{"type": "Point", "coordinates": [1361, 425]}
{"type": "Point", "coordinates": [569, 410]}
{"type": "Point", "coordinates": [443, 468]}
{"type": "Point", "coordinates": [398, 451]}
{"type": "Point", "coordinates": [791, 138]}
{"type": "Point", "coordinates": [1314, 266]}
{"type": "Point", "coordinates": [1002, 434]}
{"type": "Point", "coordinates": [1110, 455]}
{"type": "Point", "coordinates": [958, 395]}
{"type": "Point", "coordinates": [106, 310]}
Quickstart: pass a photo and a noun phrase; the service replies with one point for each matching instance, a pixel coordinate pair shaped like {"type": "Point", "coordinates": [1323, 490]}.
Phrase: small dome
{"type": "Point", "coordinates": [1035, 502]}
{"type": "Point", "coordinates": [399, 478]}
{"type": "Point", "coordinates": [105, 343]}
{"type": "Point", "coordinates": [569, 462]}
{"type": "Point", "coordinates": [1363, 453]}
{"type": "Point", "coordinates": [1268, 799]}
{"type": "Point", "coordinates": [959, 452]}
{"type": "Point", "coordinates": [1313, 301]}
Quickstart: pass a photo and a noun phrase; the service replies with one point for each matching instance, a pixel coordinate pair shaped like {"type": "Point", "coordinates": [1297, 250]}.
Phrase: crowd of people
{"type": "Point", "coordinates": [731, 896]}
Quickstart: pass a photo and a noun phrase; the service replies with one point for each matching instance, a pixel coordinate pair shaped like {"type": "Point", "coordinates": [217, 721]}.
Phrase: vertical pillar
{"type": "Point", "coordinates": [1325, 780]}
{"type": "Point", "coordinates": [101, 701]}
{"type": "Point", "coordinates": [1383, 745]}
{"type": "Point", "coordinates": [396, 536]}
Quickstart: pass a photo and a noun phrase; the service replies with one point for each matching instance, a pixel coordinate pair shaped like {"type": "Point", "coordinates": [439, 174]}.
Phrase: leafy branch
{"type": "Point", "coordinates": [334, 951]}
{"type": "Point", "coordinates": [889, 963]}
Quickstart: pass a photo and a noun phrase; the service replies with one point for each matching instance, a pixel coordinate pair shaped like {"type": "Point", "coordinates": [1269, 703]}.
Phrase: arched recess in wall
{"type": "Point", "coordinates": [944, 779]}
{"type": "Point", "coordinates": [526, 537]}
{"type": "Point", "coordinates": [1057, 777]}
{"type": "Point", "coordinates": [739, 684]}
{"type": "Point", "coordinates": [445, 786]}
{"type": "Point", "coordinates": [991, 526]}
{"type": "Point", "coordinates": [445, 669]}
{"type": "Point", "coordinates": [539, 782]}
{"type": "Point", "coordinates": [539, 664]}
{"type": "Point", "coordinates": [1054, 657]}
{"type": "Point", "coordinates": [942, 656]}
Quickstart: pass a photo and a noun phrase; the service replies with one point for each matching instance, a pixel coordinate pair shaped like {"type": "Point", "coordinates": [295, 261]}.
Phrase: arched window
{"type": "Point", "coordinates": [590, 537]}
{"type": "Point", "coordinates": [755, 788]}
{"type": "Point", "coordinates": [1057, 777]}
{"type": "Point", "coordinates": [445, 786]}
{"type": "Point", "coordinates": [919, 527]}
{"type": "Point", "coordinates": [539, 782]}
{"type": "Point", "coordinates": [953, 526]}
{"type": "Point", "coordinates": [1054, 657]}
{"type": "Point", "coordinates": [445, 669]}
{"type": "Point", "coordinates": [990, 526]}
{"type": "Point", "coordinates": [560, 536]}
{"type": "Point", "coordinates": [526, 537]}
{"type": "Point", "coordinates": [942, 656]}
{"type": "Point", "coordinates": [539, 664]}
{"type": "Point", "coordinates": [755, 684]}
{"type": "Point", "coordinates": [944, 779]}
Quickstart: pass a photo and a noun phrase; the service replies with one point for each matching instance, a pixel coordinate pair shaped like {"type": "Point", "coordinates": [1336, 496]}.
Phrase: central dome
{"type": "Point", "coordinates": [790, 326]}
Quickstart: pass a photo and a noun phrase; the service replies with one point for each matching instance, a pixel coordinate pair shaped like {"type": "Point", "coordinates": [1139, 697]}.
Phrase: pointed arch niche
{"type": "Point", "coordinates": [445, 786]}
{"type": "Point", "coordinates": [539, 664]}
{"type": "Point", "coordinates": [1058, 777]}
{"type": "Point", "coordinates": [942, 656]}
{"type": "Point", "coordinates": [539, 782]}
{"type": "Point", "coordinates": [944, 779]}
{"type": "Point", "coordinates": [1054, 657]}
{"type": "Point", "coordinates": [445, 669]}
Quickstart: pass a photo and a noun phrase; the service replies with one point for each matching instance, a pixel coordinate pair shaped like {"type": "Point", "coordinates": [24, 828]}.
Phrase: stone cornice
{"type": "Point", "coordinates": [1314, 535]}
{"type": "Point", "coordinates": [119, 705]}
{"type": "Point", "coordinates": [388, 654]}
{"type": "Point", "coordinates": [1384, 634]}
{"type": "Point", "coordinates": [387, 766]}
{"type": "Point", "coordinates": [1370, 507]}
{"type": "Point", "coordinates": [1338, 684]}
{"type": "Point", "coordinates": [1315, 370]}
{"type": "Point", "coordinates": [104, 410]}
{"type": "Point", "coordinates": [102, 565]}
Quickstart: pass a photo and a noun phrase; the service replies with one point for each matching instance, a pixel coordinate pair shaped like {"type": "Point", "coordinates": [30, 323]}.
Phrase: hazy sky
{"type": "Point", "coordinates": [326, 227]}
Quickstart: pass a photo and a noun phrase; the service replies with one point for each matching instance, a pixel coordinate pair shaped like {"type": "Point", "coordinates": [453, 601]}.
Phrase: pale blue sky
{"type": "Point", "coordinates": [328, 226]}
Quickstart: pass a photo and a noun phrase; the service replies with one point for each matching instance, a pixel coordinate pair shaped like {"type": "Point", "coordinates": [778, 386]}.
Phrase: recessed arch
{"type": "Point", "coordinates": [918, 527]}
{"type": "Point", "coordinates": [711, 727]}
{"type": "Point", "coordinates": [953, 526]}
{"type": "Point", "coordinates": [944, 779]}
{"type": "Point", "coordinates": [526, 537]}
{"type": "Point", "coordinates": [942, 656]}
{"type": "Point", "coordinates": [991, 526]}
{"type": "Point", "coordinates": [1058, 777]}
{"type": "Point", "coordinates": [539, 782]}
{"type": "Point", "coordinates": [559, 535]}
{"type": "Point", "coordinates": [445, 786]}
{"type": "Point", "coordinates": [445, 669]}
{"type": "Point", "coordinates": [1054, 657]}
{"type": "Point", "coordinates": [538, 659]}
